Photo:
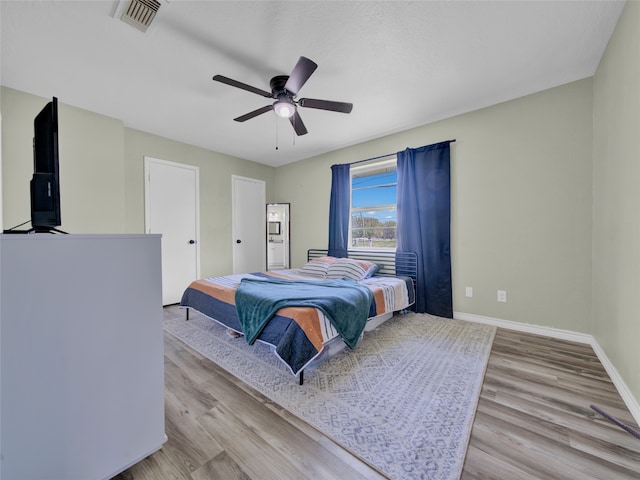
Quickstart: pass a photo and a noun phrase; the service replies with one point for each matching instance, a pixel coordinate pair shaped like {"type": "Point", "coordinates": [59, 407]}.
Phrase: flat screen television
{"type": "Point", "coordinates": [45, 183]}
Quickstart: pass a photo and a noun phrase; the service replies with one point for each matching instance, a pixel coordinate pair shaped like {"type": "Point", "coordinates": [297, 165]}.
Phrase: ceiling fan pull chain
{"type": "Point", "coordinates": [276, 134]}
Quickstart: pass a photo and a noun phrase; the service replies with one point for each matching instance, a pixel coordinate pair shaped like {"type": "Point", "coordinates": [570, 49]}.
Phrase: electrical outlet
{"type": "Point", "coordinates": [502, 296]}
{"type": "Point", "coordinates": [469, 291]}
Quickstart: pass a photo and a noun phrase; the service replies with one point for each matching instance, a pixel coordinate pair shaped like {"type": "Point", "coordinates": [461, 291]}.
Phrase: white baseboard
{"type": "Point", "coordinates": [623, 390]}
{"type": "Point", "coordinates": [618, 382]}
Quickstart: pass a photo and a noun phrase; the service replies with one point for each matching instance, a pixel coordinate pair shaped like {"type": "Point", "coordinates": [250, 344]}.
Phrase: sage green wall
{"type": "Point", "coordinates": [91, 165]}
{"type": "Point", "coordinates": [616, 187]}
{"type": "Point", "coordinates": [521, 204]}
{"type": "Point", "coordinates": [216, 170]}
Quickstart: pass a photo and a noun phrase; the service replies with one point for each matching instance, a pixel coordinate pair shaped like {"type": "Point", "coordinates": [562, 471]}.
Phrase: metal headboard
{"type": "Point", "coordinates": [389, 261]}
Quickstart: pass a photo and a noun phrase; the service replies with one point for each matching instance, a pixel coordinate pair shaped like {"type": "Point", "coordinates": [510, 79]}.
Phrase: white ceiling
{"type": "Point", "coordinates": [402, 64]}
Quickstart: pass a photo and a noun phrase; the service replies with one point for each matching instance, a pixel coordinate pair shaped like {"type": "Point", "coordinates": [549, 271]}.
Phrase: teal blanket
{"type": "Point", "coordinates": [345, 302]}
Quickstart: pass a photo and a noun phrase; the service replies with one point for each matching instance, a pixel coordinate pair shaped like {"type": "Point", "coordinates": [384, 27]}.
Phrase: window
{"type": "Point", "coordinates": [373, 206]}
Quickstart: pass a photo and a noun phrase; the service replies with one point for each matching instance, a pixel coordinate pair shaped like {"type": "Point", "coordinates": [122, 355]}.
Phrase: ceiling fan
{"type": "Point", "coordinates": [284, 90]}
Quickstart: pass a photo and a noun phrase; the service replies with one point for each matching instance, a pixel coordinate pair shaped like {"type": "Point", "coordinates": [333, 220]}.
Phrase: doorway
{"type": "Point", "coordinates": [172, 208]}
{"type": "Point", "coordinates": [278, 245]}
{"type": "Point", "coordinates": [248, 228]}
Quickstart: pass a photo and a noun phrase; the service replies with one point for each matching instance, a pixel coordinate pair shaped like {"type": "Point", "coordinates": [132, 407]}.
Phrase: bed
{"type": "Point", "coordinates": [281, 308]}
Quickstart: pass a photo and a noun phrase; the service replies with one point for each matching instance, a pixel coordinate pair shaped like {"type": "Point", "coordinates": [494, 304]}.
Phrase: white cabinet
{"type": "Point", "coordinates": [276, 254]}
{"type": "Point", "coordinates": [81, 354]}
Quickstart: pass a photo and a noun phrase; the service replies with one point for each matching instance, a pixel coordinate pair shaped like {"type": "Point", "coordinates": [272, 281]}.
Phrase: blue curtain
{"type": "Point", "coordinates": [424, 223]}
{"type": "Point", "coordinates": [339, 210]}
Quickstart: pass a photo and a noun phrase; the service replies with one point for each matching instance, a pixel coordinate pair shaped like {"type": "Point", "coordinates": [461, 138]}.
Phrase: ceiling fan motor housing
{"type": "Point", "coordinates": [277, 86]}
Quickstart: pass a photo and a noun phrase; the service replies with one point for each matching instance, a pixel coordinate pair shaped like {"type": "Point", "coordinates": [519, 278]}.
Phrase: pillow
{"type": "Point", "coordinates": [350, 268]}
{"type": "Point", "coordinates": [317, 267]}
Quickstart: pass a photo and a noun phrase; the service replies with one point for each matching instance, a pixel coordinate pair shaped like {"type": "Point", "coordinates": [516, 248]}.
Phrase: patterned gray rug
{"type": "Point", "coordinates": [404, 400]}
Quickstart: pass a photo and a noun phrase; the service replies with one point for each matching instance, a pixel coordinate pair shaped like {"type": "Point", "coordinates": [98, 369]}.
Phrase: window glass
{"type": "Point", "coordinates": [373, 206]}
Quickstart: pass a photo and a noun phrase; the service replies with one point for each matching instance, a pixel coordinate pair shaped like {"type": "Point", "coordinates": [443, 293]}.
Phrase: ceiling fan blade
{"type": "Point", "coordinates": [298, 124]}
{"type": "Point", "coordinates": [300, 74]}
{"type": "Point", "coordinates": [255, 113]}
{"type": "Point", "coordinates": [243, 86]}
{"type": "Point", "coordinates": [341, 107]}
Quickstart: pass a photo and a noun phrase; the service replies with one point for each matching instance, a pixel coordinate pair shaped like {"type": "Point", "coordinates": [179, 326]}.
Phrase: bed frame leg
{"type": "Point", "coordinates": [301, 377]}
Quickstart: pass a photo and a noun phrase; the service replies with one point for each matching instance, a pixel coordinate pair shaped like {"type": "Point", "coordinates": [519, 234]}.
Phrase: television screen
{"type": "Point", "coordinates": [45, 184]}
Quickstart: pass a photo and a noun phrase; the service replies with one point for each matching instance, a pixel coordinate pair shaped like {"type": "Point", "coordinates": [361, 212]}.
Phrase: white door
{"type": "Point", "coordinates": [172, 209]}
{"type": "Point", "coordinates": [249, 225]}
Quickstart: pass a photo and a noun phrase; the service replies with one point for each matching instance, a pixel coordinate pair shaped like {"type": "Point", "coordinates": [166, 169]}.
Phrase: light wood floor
{"type": "Point", "coordinates": [534, 421]}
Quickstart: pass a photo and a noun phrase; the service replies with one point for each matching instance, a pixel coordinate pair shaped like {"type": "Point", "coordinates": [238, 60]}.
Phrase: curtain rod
{"type": "Point", "coordinates": [389, 154]}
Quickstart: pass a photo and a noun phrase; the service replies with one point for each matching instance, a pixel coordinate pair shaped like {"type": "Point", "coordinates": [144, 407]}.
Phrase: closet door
{"type": "Point", "coordinates": [248, 229]}
{"type": "Point", "coordinates": [172, 209]}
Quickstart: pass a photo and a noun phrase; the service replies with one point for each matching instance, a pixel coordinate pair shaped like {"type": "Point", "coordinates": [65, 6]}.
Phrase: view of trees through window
{"type": "Point", "coordinates": [373, 207]}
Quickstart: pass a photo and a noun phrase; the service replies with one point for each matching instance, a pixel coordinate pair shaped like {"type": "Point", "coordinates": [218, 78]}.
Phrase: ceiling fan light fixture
{"type": "Point", "coordinates": [284, 108]}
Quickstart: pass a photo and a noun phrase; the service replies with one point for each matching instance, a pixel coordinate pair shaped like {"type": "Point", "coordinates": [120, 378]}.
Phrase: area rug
{"type": "Point", "coordinates": [404, 400]}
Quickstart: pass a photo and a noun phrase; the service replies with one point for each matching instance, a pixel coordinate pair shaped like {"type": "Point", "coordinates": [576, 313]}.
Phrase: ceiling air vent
{"type": "Point", "coordinates": [140, 13]}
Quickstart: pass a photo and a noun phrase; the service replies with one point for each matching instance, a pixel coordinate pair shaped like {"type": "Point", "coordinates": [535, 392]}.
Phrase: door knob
{"type": "Point", "coordinates": [238, 241]}
{"type": "Point", "coordinates": [191, 242]}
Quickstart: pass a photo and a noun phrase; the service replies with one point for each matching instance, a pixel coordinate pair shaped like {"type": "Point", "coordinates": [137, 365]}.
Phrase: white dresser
{"type": "Point", "coordinates": [81, 354]}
